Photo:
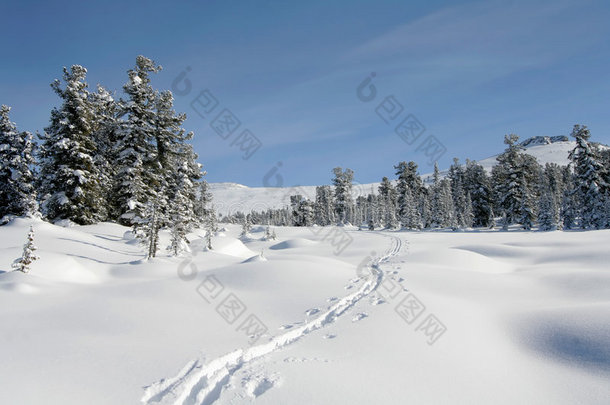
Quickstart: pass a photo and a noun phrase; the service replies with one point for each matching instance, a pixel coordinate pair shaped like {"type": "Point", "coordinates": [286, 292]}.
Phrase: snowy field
{"type": "Point", "coordinates": [430, 317]}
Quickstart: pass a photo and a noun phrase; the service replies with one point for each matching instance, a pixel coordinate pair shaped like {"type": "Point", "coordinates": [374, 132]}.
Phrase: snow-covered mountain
{"type": "Point", "coordinates": [233, 197]}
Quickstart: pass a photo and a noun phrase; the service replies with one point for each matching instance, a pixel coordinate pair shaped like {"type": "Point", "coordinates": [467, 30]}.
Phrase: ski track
{"type": "Point", "coordinates": [200, 383]}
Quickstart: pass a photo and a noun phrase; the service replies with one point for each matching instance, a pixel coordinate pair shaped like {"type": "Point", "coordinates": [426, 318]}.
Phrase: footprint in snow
{"type": "Point", "coordinates": [359, 316]}
{"type": "Point", "coordinates": [329, 336]}
{"type": "Point", "coordinates": [312, 311]}
{"type": "Point", "coordinates": [257, 385]}
{"type": "Point", "coordinates": [284, 327]}
{"type": "Point", "coordinates": [332, 299]}
{"type": "Point", "coordinates": [349, 287]}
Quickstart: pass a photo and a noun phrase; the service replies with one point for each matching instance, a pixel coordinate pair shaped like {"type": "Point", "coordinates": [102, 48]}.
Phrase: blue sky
{"type": "Point", "coordinates": [469, 71]}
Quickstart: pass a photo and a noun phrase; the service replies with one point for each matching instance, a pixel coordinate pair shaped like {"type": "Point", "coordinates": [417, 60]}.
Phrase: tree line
{"type": "Point", "coordinates": [518, 192]}
{"type": "Point", "coordinates": [126, 160]}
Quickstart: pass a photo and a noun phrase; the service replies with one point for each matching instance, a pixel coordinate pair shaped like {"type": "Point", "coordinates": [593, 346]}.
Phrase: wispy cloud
{"type": "Point", "coordinates": [483, 40]}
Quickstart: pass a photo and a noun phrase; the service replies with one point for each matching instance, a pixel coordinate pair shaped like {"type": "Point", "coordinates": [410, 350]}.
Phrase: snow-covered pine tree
{"type": "Point", "coordinates": [411, 218]}
{"type": "Point", "coordinates": [568, 212]}
{"type": "Point", "coordinates": [268, 234]}
{"type": "Point", "coordinates": [456, 179]}
{"type": "Point", "coordinates": [360, 211]}
{"type": "Point", "coordinates": [178, 231]}
{"type": "Point", "coordinates": [468, 215]}
{"type": "Point", "coordinates": [548, 214]}
{"type": "Point", "coordinates": [208, 239]}
{"type": "Point", "coordinates": [509, 181]}
{"type": "Point", "coordinates": [70, 184]}
{"type": "Point", "coordinates": [388, 197]}
{"type": "Point", "coordinates": [323, 208]}
{"type": "Point", "coordinates": [178, 170]}
{"type": "Point", "coordinates": [551, 192]}
{"type": "Point", "coordinates": [527, 212]}
{"type": "Point", "coordinates": [590, 185]}
{"type": "Point", "coordinates": [425, 209]}
{"type": "Point", "coordinates": [302, 210]}
{"type": "Point", "coordinates": [343, 203]}
{"type": "Point", "coordinates": [436, 176]}
{"type": "Point", "coordinates": [105, 127]}
{"type": "Point", "coordinates": [137, 176]}
{"type": "Point", "coordinates": [28, 256]}
{"type": "Point", "coordinates": [448, 216]}
{"type": "Point", "coordinates": [17, 193]}
{"type": "Point", "coordinates": [442, 211]}
{"type": "Point", "coordinates": [436, 208]}
{"type": "Point", "coordinates": [246, 227]}
{"type": "Point", "coordinates": [372, 211]}
{"type": "Point", "coordinates": [410, 182]}
{"type": "Point", "coordinates": [148, 226]}
{"type": "Point", "coordinates": [204, 209]}
{"type": "Point", "coordinates": [180, 207]}
{"type": "Point", "coordinates": [477, 185]}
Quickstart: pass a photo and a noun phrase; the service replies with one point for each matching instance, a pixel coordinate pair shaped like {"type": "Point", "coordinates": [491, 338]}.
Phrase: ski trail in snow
{"type": "Point", "coordinates": [200, 383]}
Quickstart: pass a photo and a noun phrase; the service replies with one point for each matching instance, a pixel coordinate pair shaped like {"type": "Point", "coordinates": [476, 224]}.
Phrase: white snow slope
{"type": "Point", "coordinates": [518, 318]}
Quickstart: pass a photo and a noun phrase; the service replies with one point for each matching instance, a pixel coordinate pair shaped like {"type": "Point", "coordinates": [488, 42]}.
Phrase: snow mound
{"type": "Point", "coordinates": [232, 247]}
{"type": "Point", "coordinates": [293, 243]}
{"type": "Point", "coordinates": [576, 337]}
{"type": "Point", "coordinates": [59, 267]}
{"type": "Point", "coordinates": [257, 258]}
{"type": "Point", "coordinates": [22, 288]}
{"type": "Point", "coordinates": [463, 258]}
{"type": "Point", "coordinates": [65, 223]}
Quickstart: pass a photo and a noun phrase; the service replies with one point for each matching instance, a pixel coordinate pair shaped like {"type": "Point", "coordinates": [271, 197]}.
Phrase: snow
{"type": "Point", "coordinates": [526, 317]}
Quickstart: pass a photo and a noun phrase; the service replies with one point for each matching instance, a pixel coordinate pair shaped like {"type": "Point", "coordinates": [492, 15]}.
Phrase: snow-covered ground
{"type": "Point", "coordinates": [390, 318]}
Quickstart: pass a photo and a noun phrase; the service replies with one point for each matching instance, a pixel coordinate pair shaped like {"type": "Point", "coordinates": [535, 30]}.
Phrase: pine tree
{"type": "Point", "coordinates": [568, 201]}
{"type": "Point", "coordinates": [28, 257]}
{"type": "Point", "coordinates": [137, 162]}
{"type": "Point", "coordinates": [411, 218]}
{"type": "Point", "coordinates": [177, 168]}
{"type": "Point", "coordinates": [148, 226]}
{"type": "Point", "coordinates": [388, 198]}
{"type": "Point", "coordinates": [478, 185]}
{"type": "Point", "coordinates": [323, 208]}
{"type": "Point", "coordinates": [208, 239]}
{"type": "Point", "coordinates": [409, 182]}
{"type": "Point", "coordinates": [548, 216]}
{"type": "Point", "coordinates": [590, 186]}
{"type": "Point", "coordinates": [458, 194]}
{"type": "Point", "coordinates": [514, 179]}
{"type": "Point", "coordinates": [246, 227]}
{"type": "Point", "coordinates": [105, 127]}
{"type": "Point", "coordinates": [344, 205]}
{"type": "Point", "coordinates": [549, 203]}
{"type": "Point", "coordinates": [468, 216]}
{"type": "Point", "coordinates": [203, 208]}
{"type": "Point", "coordinates": [372, 211]}
{"type": "Point", "coordinates": [302, 210]}
{"type": "Point", "coordinates": [70, 180]}
{"type": "Point", "coordinates": [269, 234]}
{"type": "Point", "coordinates": [442, 208]}
{"type": "Point", "coordinates": [527, 213]}
{"type": "Point", "coordinates": [17, 194]}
